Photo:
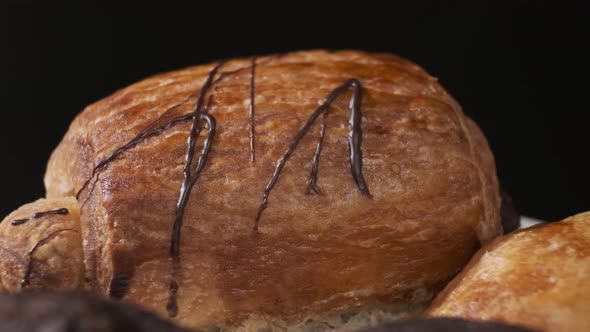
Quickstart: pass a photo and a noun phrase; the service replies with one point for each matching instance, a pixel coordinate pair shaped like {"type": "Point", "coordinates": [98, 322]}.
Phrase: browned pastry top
{"type": "Point", "coordinates": [41, 246]}
{"type": "Point", "coordinates": [537, 277]}
{"type": "Point", "coordinates": [431, 177]}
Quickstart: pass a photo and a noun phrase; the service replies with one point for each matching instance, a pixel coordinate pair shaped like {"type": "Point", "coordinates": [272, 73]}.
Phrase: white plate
{"type": "Point", "coordinates": [526, 222]}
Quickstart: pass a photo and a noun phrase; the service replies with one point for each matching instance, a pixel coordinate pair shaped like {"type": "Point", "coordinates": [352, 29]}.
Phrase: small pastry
{"type": "Point", "coordinates": [536, 277]}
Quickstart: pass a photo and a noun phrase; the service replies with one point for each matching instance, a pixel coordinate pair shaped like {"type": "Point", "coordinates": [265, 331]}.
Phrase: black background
{"type": "Point", "coordinates": [519, 68]}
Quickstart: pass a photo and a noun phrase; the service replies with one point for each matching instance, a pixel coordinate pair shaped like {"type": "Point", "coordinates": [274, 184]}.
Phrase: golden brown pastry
{"type": "Point", "coordinates": [41, 246]}
{"type": "Point", "coordinates": [237, 194]}
{"type": "Point", "coordinates": [537, 277]}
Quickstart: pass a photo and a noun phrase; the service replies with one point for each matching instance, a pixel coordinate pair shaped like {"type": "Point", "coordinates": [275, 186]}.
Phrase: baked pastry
{"type": "Point", "coordinates": [41, 246]}
{"type": "Point", "coordinates": [317, 187]}
{"type": "Point", "coordinates": [445, 325]}
{"type": "Point", "coordinates": [75, 312]}
{"type": "Point", "coordinates": [536, 277]}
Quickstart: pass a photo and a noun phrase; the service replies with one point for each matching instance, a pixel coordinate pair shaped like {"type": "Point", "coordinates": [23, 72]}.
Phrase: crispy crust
{"type": "Point", "coordinates": [429, 169]}
{"type": "Point", "coordinates": [537, 277]}
{"type": "Point", "coordinates": [51, 247]}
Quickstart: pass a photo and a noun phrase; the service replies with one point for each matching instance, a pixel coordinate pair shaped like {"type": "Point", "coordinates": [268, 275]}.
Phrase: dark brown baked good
{"type": "Point", "coordinates": [400, 200]}
{"type": "Point", "coordinates": [75, 312]}
{"type": "Point", "coordinates": [536, 277]}
{"type": "Point", "coordinates": [445, 325]}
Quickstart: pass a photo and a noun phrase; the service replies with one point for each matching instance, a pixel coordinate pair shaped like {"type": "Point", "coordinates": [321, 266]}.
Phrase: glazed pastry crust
{"type": "Point", "coordinates": [50, 246]}
{"type": "Point", "coordinates": [537, 277]}
{"type": "Point", "coordinates": [428, 167]}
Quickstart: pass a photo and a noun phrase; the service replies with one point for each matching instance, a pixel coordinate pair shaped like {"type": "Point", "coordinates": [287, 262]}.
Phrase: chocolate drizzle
{"type": "Point", "coordinates": [199, 118]}
{"type": "Point", "coordinates": [156, 127]}
{"type": "Point", "coordinates": [312, 187]}
{"type": "Point", "coordinates": [151, 130]}
{"type": "Point", "coordinates": [26, 280]}
{"type": "Point", "coordinates": [62, 211]}
{"type": "Point", "coordinates": [225, 74]}
{"type": "Point", "coordinates": [355, 138]}
{"type": "Point", "coordinates": [188, 182]}
{"type": "Point", "coordinates": [190, 176]}
{"type": "Point", "coordinates": [252, 107]}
